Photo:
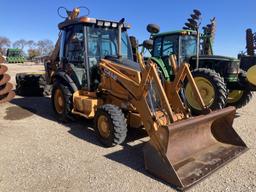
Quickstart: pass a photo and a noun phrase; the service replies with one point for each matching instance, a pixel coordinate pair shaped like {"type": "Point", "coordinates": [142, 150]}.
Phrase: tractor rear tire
{"type": "Point", "coordinates": [62, 102]}
{"type": "Point", "coordinates": [212, 88]}
{"type": "Point", "coordinates": [30, 84]}
{"type": "Point", "coordinates": [110, 125]}
{"type": "Point", "coordinates": [243, 97]}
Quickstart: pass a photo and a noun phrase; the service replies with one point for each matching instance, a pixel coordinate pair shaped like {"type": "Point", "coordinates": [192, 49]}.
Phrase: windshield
{"type": "Point", "coordinates": [103, 42]}
{"type": "Point", "coordinates": [188, 46]}
{"type": "Point", "coordinates": [167, 47]}
{"type": "Point", "coordinates": [14, 53]}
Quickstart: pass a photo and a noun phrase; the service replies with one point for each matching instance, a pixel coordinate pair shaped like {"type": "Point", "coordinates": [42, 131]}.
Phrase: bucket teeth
{"type": "Point", "coordinates": [6, 93]}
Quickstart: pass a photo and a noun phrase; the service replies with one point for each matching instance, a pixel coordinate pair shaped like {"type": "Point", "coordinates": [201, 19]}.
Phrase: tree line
{"type": "Point", "coordinates": [30, 48]}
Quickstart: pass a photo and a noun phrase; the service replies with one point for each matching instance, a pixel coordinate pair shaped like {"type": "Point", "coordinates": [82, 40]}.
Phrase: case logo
{"type": "Point", "coordinates": [110, 74]}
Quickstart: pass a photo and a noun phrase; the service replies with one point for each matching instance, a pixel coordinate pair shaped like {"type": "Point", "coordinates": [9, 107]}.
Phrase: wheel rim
{"type": "Point", "coordinates": [59, 101]}
{"type": "Point", "coordinates": [103, 126]}
{"type": "Point", "coordinates": [235, 96]}
{"type": "Point", "coordinates": [251, 73]}
{"type": "Point", "coordinates": [206, 90]}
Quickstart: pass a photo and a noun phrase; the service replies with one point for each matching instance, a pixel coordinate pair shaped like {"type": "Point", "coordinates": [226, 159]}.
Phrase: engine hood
{"type": "Point", "coordinates": [215, 57]}
{"type": "Point", "coordinates": [126, 62]}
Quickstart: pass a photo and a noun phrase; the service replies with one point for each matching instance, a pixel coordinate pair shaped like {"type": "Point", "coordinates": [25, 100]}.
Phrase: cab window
{"type": "Point", "coordinates": [170, 45]}
{"type": "Point", "coordinates": [157, 47]}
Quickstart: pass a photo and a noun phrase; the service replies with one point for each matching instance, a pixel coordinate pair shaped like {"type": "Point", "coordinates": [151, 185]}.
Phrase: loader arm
{"type": "Point", "coordinates": [138, 92]}
{"type": "Point", "coordinates": [172, 88]}
{"type": "Point", "coordinates": [180, 151]}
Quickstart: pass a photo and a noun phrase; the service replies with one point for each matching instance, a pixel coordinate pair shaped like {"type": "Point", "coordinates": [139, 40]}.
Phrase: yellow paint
{"type": "Point", "coordinates": [234, 96]}
{"type": "Point", "coordinates": [206, 90]}
{"type": "Point", "coordinates": [85, 104]}
{"type": "Point", "coordinates": [103, 126]}
{"type": "Point", "coordinates": [251, 75]}
{"type": "Point", "coordinates": [59, 101]}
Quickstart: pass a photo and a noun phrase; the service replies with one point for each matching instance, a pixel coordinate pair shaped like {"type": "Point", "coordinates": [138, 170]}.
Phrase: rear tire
{"type": "Point", "coordinates": [110, 125]}
{"type": "Point", "coordinates": [62, 101]}
{"type": "Point", "coordinates": [212, 88]}
{"type": "Point", "coordinates": [240, 98]}
{"type": "Point", "coordinates": [30, 84]}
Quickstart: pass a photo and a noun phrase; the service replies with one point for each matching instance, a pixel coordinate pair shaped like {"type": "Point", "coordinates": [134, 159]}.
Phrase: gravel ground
{"type": "Point", "coordinates": [39, 154]}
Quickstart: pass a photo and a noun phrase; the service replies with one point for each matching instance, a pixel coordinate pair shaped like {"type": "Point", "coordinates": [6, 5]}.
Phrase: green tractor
{"type": "Point", "coordinates": [14, 55]}
{"type": "Point", "coordinates": [220, 80]}
{"type": "Point", "coordinates": [248, 61]}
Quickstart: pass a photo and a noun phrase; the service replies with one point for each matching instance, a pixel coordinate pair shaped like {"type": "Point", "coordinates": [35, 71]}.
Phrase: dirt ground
{"type": "Point", "coordinates": [39, 154]}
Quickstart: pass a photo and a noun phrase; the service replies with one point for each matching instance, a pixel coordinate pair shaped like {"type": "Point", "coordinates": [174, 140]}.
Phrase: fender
{"type": "Point", "coordinates": [166, 72]}
{"type": "Point", "coordinates": [66, 78]}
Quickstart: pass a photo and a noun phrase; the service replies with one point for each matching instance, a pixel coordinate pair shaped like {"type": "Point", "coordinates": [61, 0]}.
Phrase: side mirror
{"type": "Point", "coordinates": [134, 42]}
{"type": "Point", "coordinates": [153, 28]}
{"type": "Point", "coordinates": [148, 44]}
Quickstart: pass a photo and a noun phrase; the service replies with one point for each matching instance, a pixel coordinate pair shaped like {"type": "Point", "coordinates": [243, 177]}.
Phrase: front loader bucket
{"type": "Point", "coordinates": [195, 148]}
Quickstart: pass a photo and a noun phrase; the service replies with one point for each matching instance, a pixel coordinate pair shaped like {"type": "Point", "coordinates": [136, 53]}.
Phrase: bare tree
{"type": "Point", "coordinates": [32, 53]}
{"type": "Point", "coordinates": [5, 43]}
{"type": "Point", "coordinates": [45, 47]}
{"type": "Point", "coordinates": [20, 44]}
{"type": "Point", "coordinates": [31, 44]}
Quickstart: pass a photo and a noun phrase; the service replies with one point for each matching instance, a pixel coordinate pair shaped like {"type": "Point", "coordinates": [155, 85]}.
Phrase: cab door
{"type": "Point", "coordinates": [73, 59]}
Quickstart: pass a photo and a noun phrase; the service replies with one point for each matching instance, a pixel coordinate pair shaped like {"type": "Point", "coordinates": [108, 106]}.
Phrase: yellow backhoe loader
{"type": "Point", "coordinates": [6, 93]}
{"type": "Point", "coordinates": [95, 77]}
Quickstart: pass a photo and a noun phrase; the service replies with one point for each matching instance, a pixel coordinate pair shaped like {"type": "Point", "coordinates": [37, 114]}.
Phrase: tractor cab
{"type": "Point", "coordinates": [84, 42]}
{"type": "Point", "coordinates": [14, 55]}
{"type": "Point", "coordinates": [181, 43]}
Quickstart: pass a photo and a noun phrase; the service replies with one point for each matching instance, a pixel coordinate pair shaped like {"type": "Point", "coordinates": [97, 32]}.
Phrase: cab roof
{"type": "Point", "coordinates": [178, 32]}
{"type": "Point", "coordinates": [14, 49]}
{"type": "Point", "coordinates": [87, 20]}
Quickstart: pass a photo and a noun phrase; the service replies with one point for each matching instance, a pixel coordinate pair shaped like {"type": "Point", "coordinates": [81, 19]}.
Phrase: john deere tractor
{"type": "Point", "coordinates": [15, 55]}
{"type": "Point", "coordinates": [219, 78]}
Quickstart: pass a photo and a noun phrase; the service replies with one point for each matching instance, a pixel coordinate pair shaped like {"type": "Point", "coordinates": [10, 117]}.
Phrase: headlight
{"type": "Point", "coordinates": [107, 24]}
{"type": "Point", "coordinates": [114, 25]}
{"type": "Point", "coordinates": [100, 23]}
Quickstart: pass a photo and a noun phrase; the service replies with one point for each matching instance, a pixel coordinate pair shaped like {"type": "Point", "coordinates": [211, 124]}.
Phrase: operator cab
{"type": "Point", "coordinates": [84, 42]}
{"type": "Point", "coordinates": [180, 43]}
{"type": "Point", "coordinates": [14, 53]}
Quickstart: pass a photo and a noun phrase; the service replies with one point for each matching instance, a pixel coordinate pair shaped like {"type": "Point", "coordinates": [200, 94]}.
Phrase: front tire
{"type": "Point", "coordinates": [110, 125]}
{"type": "Point", "coordinates": [212, 89]}
{"type": "Point", "coordinates": [62, 101]}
